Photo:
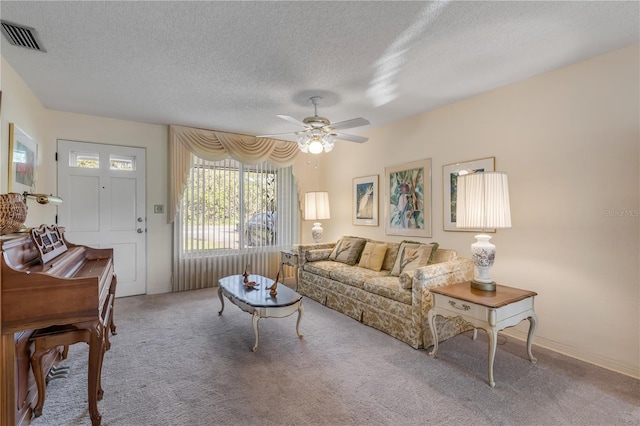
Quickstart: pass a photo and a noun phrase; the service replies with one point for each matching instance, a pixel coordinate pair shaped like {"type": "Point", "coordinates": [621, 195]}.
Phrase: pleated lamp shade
{"type": "Point", "coordinates": [316, 206]}
{"type": "Point", "coordinates": [483, 201]}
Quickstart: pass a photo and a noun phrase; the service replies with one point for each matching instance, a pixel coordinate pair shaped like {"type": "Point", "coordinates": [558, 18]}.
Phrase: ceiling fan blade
{"type": "Point", "coordinates": [291, 120]}
{"type": "Point", "coordinates": [352, 138]}
{"type": "Point", "coordinates": [349, 124]}
{"type": "Point", "coordinates": [276, 134]}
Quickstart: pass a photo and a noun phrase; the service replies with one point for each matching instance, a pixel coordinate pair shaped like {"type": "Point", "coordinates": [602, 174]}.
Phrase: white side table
{"type": "Point", "coordinates": [290, 258]}
{"type": "Point", "coordinates": [491, 311]}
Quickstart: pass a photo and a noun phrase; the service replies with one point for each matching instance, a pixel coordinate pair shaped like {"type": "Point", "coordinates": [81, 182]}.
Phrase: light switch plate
{"type": "Point", "coordinates": [158, 208]}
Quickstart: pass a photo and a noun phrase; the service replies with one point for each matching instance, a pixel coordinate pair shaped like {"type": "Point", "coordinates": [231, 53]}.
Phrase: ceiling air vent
{"type": "Point", "coordinates": [21, 36]}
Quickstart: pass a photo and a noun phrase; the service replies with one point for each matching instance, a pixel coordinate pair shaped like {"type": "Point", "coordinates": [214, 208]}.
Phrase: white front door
{"type": "Point", "coordinates": [103, 192]}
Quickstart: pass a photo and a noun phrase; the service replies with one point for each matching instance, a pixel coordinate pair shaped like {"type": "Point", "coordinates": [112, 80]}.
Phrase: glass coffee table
{"type": "Point", "coordinates": [257, 300]}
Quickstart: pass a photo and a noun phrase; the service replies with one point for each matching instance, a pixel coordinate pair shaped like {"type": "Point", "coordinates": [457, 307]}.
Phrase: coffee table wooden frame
{"type": "Point", "coordinates": [258, 302]}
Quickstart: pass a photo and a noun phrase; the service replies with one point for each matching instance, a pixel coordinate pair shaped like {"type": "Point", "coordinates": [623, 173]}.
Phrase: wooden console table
{"type": "Point", "coordinates": [491, 311]}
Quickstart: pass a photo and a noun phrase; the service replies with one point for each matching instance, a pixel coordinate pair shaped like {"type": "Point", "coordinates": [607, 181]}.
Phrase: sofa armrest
{"type": "Point", "coordinates": [437, 275]}
{"type": "Point", "coordinates": [440, 274]}
{"type": "Point", "coordinates": [321, 251]}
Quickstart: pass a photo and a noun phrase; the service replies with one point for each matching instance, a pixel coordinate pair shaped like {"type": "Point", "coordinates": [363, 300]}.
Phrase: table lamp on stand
{"type": "Point", "coordinates": [483, 202]}
{"type": "Point", "coordinates": [316, 207]}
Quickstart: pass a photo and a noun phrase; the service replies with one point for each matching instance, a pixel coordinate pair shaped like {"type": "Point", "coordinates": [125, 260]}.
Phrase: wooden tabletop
{"type": "Point", "coordinates": [492, 299]}
{"type": "Point", "coordinates": [259, 296]}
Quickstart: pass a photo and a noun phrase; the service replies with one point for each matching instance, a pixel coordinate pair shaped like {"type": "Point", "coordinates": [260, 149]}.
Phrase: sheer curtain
{"type": "Point", "coordinates": [230, 212]}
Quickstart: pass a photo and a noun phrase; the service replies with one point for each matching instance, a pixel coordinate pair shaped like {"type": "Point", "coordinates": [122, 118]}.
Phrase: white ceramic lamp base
{"type": "Point", "coordinates": [483, 254]}
{"type": "Point", "coordinates": [316, 232]}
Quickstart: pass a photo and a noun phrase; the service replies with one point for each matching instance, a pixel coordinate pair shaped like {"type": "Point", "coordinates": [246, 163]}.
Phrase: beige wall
{"type": "Point", "coordinates": [20, 106]}
{"type": "Point", "coordinates": [569, 141]}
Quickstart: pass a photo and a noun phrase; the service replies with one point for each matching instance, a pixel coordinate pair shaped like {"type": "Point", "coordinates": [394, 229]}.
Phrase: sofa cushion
{"type": "Point", "coordinates": [388, 287]}
{"type": "Point", "coordinates": [372, 256]}
{"type": "Point", "coordinates": [348, 250]}
{"type": "Point", "coordinates": [354, 276]}
{"type": "Point", "coordinates": [412, 255]}
{"type": "Point", "coordinates": [324, 268]}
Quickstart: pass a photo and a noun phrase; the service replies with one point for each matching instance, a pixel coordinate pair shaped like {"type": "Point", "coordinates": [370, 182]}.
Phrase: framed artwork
{"type": "Point", "coordinates": [23, 154]}
{"type": "Point", "coordinates": [408, 199]}
{"type": "Point", "coordinates": [365, 200]}
{"type": "Point", "coordinates": [450, 174]}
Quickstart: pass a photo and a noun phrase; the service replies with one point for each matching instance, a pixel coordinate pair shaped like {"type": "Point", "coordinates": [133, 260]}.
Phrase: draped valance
{"type": "Point", "coordinates": [215, 146]}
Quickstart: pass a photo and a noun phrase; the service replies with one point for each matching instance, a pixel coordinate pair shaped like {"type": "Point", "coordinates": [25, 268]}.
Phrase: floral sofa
{"type": "Point", "coordinates": [384, 285]}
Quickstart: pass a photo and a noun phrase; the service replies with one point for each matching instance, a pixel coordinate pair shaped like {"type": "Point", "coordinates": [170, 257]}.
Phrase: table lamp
{"type": "Point", "coordinates": [316, 207]}
{"type": "Point", "coordinates": [483, 202]}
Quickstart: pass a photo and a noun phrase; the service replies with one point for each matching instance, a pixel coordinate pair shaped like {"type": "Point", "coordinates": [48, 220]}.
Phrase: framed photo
{"type": "Point", "coordinates": [365, 200]}
{"type": "Point", "coordinates": [23, 154]}
{"type": "Point", "coordinates": [450, 174]}
{"type": "Point", "coordinates": [408, 199]}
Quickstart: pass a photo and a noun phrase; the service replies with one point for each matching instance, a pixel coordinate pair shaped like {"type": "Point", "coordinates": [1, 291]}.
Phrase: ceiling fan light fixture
{"type": "Point", "coordinates": [318, 133]}
{"type": "Point", "coordinates": [303, 143]}
{"type": "Point", "coordinates": [315, 141]}
{"type": "Point", "coordinates": [315, 146]}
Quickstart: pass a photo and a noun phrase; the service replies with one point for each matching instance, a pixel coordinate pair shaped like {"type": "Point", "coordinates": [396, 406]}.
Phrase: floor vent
{"type": "Point", "coordinates": [21, 36]}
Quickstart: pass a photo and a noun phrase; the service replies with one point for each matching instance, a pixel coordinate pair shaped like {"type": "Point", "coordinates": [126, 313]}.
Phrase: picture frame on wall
{"type": "Point", "coordinates": [450, 173]}
{"type": "Point", "coordinates": [408, 199]}
{"type": "Point", "coordinates": [365, 200]}
{"type": "Point", "coordinates": [23, 155]}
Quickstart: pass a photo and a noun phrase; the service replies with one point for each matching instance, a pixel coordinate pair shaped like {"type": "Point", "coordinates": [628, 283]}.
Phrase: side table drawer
{"type": "Point", "coordinates": [460, 307]}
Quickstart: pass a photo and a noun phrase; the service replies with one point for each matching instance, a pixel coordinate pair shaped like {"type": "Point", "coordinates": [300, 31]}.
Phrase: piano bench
{"type": "Point", "coordinates": [48, 338]}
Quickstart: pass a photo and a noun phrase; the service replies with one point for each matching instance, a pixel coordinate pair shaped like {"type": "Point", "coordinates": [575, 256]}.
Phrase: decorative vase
{"type": "Point", "coordinates": [483, 254]}
{"type": "Point", "coordinates": [316, 232]}
{"type": "Point", "coordinates": [13, 212]}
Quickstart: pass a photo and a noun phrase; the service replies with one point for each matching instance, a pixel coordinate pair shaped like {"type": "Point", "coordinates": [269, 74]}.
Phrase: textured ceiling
{"type": "Point", "coordinates": [233, 66]}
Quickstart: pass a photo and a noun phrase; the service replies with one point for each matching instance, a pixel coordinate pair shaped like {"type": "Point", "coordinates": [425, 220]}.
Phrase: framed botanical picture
{"type": "Point", "coordinates": [23, 153]}
{"type": "Point", "coordinates": [450, 174]}
{"type": "Point", "coordinates": [408, 199]}
{"type": "Point", "coordinates": [365, 200]}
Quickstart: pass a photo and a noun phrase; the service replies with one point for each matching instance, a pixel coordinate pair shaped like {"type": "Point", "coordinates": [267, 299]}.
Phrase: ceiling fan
{"type": "Point", "coordinates": [318, 133]}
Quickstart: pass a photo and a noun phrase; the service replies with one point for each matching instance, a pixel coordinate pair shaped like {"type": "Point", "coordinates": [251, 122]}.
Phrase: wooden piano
{"type": "Point", "coordinates": [52, 294]}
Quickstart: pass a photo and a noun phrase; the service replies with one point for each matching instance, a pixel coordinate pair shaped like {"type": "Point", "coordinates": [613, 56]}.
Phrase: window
{"type": "Point", "coordinates": [122, 162]}
{"type": "Point", "coordinates": [85, 160]}
{"type": "Point", "coordinates": [228, 206]}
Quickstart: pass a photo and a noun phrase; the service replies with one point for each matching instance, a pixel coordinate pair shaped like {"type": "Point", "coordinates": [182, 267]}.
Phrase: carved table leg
{"type": "Point", "coordinates": [300, 311]}
{"type": "Point", "coordinates": [493, 341]}
{"type": "Point", "coordinates": [533, 325]}
{"type": "Point", "coordinates": [221, 299]}
{"type": "Point", "coordinates": [431, 318]}
{"type": "Point", "coordinates": [256, 318]}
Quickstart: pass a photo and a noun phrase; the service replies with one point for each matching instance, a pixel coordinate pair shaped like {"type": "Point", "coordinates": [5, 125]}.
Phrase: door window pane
{"type": "Point", "coordinates": [122, 162]}
{"type": "Point", "coordinates": [86, 160]}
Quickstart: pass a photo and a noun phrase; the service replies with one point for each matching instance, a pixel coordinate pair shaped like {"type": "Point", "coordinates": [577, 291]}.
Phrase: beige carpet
{"type": "Point", "coordinates": [176, 362]}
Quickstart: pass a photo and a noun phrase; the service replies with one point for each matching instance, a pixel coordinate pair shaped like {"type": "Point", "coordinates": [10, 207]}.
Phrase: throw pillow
{"type": "Point", "coordinates": [406, 279]}
{"type": "Point", "coordinates": [348, 250]}
{"type": "Point", "coordinates": [372, 256]}
{"type": "Point", "coordinates": [412, 255]}
{"type": "Point", "coordinates": [318, 254]}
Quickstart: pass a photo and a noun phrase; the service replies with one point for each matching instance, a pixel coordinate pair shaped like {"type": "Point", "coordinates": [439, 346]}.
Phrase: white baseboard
{"type": "Point", "coordinates": [609, 364]}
